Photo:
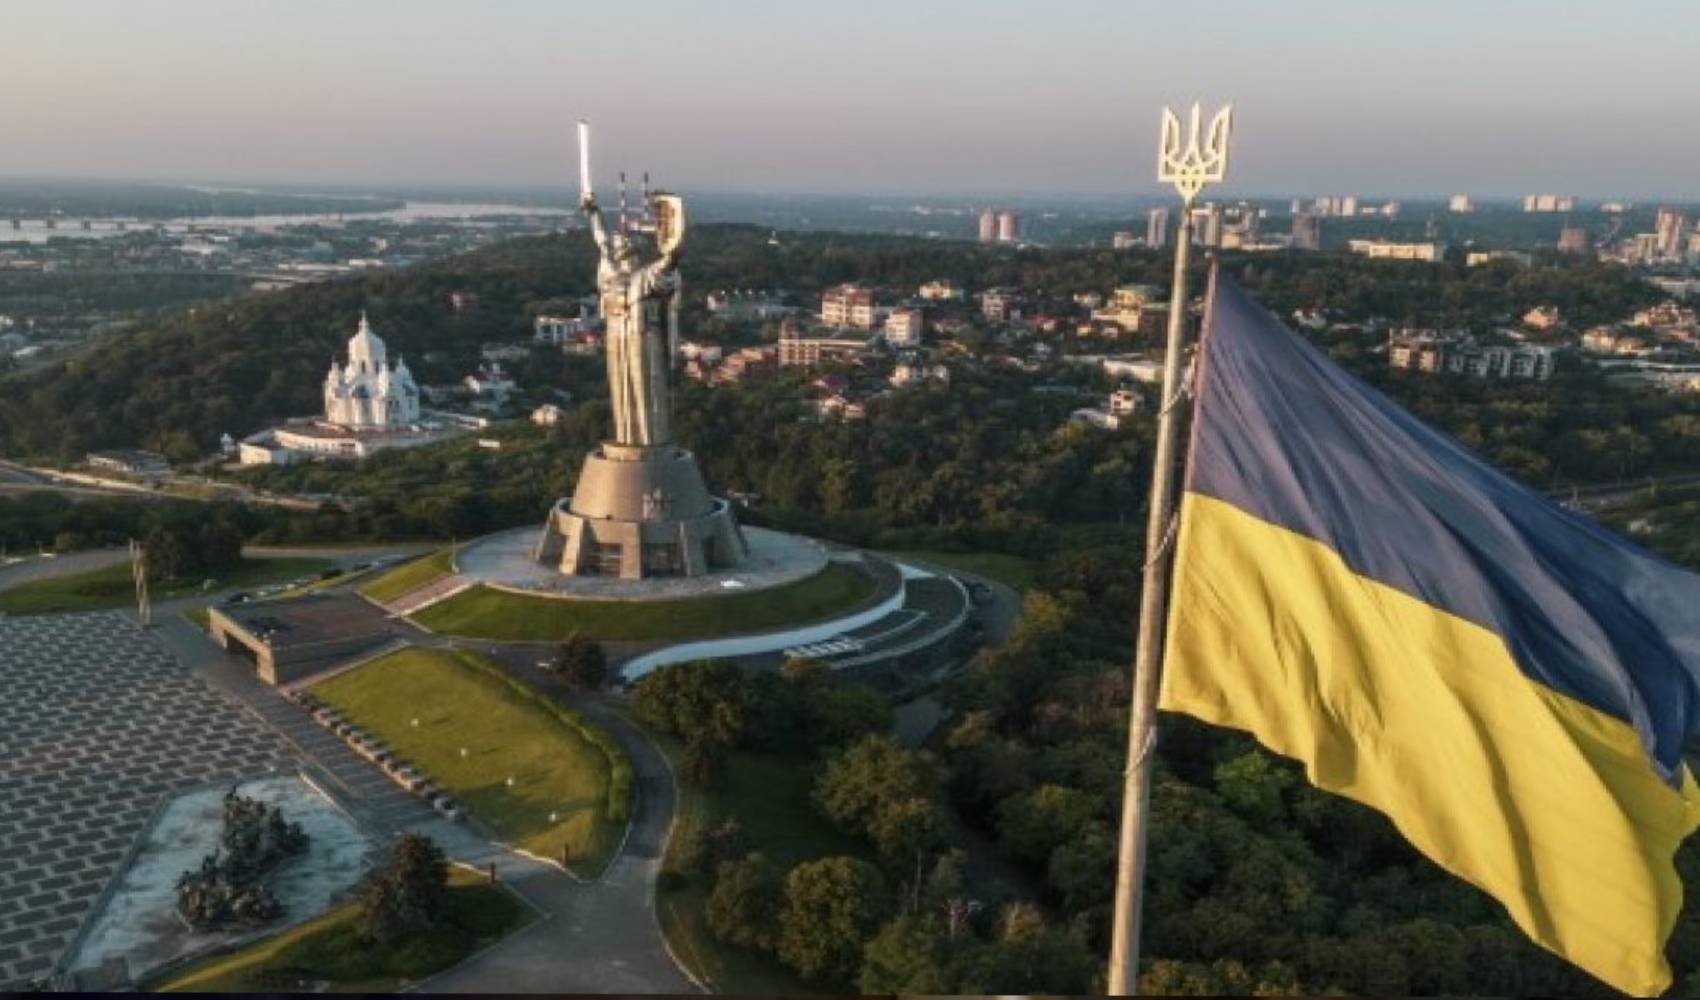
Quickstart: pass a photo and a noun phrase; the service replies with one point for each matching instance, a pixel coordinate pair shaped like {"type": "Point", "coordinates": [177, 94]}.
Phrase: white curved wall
{"type": "Point", "coordinates": [765, 642]}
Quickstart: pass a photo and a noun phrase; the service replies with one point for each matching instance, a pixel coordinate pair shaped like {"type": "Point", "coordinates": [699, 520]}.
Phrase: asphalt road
{"type": "Point", "coordinates": [46, 567]}
{"type": "Point", "coordinates": [38, 567]}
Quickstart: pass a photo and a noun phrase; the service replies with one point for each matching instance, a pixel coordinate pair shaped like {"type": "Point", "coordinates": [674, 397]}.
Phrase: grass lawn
{"type": "Point", "coordinates": [326, 950]}
{"type": "Point", "coordinates": [112, 587]}
{"type": "Point", "coordinates": [410, 576]}
{"type": "Point", "coordinates": [1016, 571]}
{"type": "Point", "coordinates": [485, 613]}
{"type": "Point", "coordinates": [557, 771]}
{"type": "Point", "coordinates": [769, 795]}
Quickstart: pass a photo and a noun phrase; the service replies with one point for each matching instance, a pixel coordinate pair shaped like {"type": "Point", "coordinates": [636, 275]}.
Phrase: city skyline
{"type": "Point", "coordinates": [881, 100]}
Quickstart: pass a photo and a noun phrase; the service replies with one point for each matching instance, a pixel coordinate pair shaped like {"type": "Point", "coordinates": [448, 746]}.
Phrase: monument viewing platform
{"type": "Point", "coordinates": [506, 561]}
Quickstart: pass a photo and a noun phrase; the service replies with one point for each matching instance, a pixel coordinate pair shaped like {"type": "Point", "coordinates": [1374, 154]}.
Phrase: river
{"type": "Point", "coordinates": [39, 231]}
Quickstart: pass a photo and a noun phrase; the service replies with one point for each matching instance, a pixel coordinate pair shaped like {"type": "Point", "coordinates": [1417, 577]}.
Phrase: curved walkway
{"type": "Point", "coordinates": [601, 936]}
{"type": "Point", "coordinates": [751, 643]}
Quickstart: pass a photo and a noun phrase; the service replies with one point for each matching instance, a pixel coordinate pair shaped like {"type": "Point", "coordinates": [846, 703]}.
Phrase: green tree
{"type": "Point", "coordinates": [831, 907]}
{"type": "Point", "coordinates": [844, 712]}
{"type": "Point", "coordinates": [744, 905]}
{"type": "Point", "coordinates": [704, 759]}
{"type": "Point", "coordinates": [407, 895]}
{"type": "Point", "coordinates": [581, 662]}
{"type": "Point", "coordinates": [705, 848]}
{"type": "Point", "coordinates": [910, 954]}
{"type": "Point", "coordinates": [706, 701]}
{"type": "Point", "coordinates": [1082, 869]}
{"type": "Point", "coordinates": [1253, 785]}
{"type": "Point", "coordinates": [1033, 825]}
{"type": "Point", "coordinates": [1223, 977]}
{"type": "Point", "coordinates": [906, 829]}
{"type": "Point", "coordinates": [1029, 956]}
{"type": "Point", "coordinates": [860, 782]}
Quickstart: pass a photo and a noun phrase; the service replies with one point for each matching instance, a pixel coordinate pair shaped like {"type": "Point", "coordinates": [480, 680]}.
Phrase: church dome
{"type": "Point", "coordinates": [365, 350]}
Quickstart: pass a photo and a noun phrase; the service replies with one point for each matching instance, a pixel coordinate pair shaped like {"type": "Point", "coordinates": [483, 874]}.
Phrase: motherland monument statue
{"type": "Point", "coordinates": [641, 508]}
{"type": "Point", "coordinates": [631, 294]}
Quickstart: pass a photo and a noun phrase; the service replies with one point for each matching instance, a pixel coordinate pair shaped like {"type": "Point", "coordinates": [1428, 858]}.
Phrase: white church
{"type": "Point", "coordinates": [369, 405]}
{"type": "Point", "coordinates": [366, 392]}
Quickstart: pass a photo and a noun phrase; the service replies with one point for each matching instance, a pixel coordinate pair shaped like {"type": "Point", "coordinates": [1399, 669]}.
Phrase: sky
{"type": "Point", "coordinates": [923, 97]}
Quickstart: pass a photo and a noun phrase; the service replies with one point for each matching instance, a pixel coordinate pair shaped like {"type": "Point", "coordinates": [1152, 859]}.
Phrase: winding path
{"type": "Point", "coordinates": [602, 936]}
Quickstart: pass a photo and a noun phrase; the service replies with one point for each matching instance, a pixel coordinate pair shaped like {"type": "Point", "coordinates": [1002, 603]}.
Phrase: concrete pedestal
{"type": "Point", "coordinates": [641, 512]}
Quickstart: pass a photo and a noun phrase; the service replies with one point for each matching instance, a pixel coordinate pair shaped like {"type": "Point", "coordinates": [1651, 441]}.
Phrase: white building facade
{"type": "Point", "coordinates": [366, 392]}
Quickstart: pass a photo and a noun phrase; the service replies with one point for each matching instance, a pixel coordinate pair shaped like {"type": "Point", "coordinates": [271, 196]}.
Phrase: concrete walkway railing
{"type": "Point", "coordinates": [763, 642]}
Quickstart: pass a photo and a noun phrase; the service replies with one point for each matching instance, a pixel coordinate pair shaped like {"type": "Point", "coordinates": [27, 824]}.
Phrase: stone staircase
{"type": "Point", "coordinates": [440, 589]}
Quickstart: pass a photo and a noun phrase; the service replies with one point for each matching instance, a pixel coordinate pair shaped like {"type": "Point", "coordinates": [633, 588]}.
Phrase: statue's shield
{"type": "Point", "coordinates": [669, 210]}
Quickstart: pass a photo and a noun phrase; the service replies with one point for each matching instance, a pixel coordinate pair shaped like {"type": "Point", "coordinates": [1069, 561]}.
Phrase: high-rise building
{"type": "Point", "coordinates": [1157, 228]}
{"type": "Point", "coordinates": [1009, 226]}
{"type": "Point", "coordinates": [848, 305]}
{"type": "Point", "coordinates": [988, 226]}
{"type": "Point", "coordinates": [1207, 225]}
{"type": "Point", "coordinates": [903, 327]}
{"type": "Point", "coordinates": [1000, 305]}
{"type": "Point", "coordinates": [1341, 205]}
{"type": "Point", "coordinates": [1388, 250]}
{"type": "Point", "coordinates": [1573, 239]}
{"type": "Point", "coordinates": [1461, 203]}
{"type": "Point", "coordinates": [1307, 231]}
{"type": "Point", "coordinates": [1549, 203]}
{"type": "Point", "coordinates": [1672, 229]}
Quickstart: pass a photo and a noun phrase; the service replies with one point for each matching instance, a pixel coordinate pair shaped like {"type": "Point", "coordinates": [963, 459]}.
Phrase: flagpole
{"type": "Point", "coordinates": [1189, 168]}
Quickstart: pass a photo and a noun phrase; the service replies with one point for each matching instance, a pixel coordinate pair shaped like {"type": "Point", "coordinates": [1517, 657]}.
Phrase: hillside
{"type": "Point", "coordinates": [179, 382]}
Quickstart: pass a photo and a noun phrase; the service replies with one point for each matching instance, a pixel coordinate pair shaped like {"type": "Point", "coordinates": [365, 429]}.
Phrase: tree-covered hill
{"type": "Point", "coordinates": [179, 382]}
{"type": "Point", "coordinates": [185, 377]}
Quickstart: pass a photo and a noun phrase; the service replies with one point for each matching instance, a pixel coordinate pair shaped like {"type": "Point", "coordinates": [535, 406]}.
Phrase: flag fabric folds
{"type": "Point", "coordinates": [1509, 682]}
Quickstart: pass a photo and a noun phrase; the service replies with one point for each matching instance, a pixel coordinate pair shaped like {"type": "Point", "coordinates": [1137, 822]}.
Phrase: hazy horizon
{"type": "Point", "coordinates": [956, 100]}
{"type": "Point", "coordinates": [943, 200]}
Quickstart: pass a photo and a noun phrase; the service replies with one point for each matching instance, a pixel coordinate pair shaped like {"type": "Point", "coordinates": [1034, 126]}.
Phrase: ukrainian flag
{"type": "Point", "coordinates": [1510, 683]}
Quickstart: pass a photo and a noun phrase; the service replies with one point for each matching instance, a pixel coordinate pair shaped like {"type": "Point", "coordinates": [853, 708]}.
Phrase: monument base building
{"type": "Point", "coordinates": [641, 511]}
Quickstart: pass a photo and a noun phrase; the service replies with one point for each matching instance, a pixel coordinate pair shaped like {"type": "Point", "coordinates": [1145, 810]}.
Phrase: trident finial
{"type": "Point", "coordinates": [1190, 168]}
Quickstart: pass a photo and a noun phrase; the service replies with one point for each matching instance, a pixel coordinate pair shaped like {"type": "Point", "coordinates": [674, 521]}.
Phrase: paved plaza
{"type": "Point", "coordinates": [505, 559]}
{"type": "Point", "coordinates": [98, 724]}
